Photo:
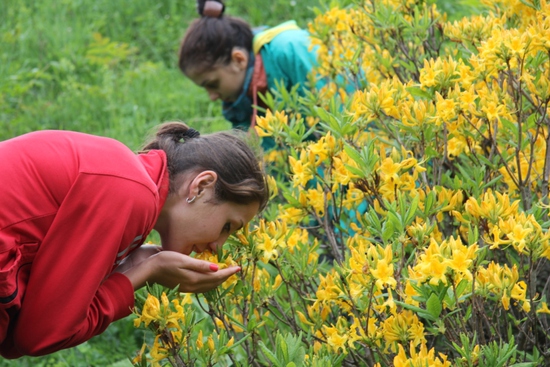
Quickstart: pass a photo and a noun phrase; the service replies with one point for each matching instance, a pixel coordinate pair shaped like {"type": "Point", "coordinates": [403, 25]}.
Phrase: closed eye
{"type": "Point", "coordinates": [211, 85]}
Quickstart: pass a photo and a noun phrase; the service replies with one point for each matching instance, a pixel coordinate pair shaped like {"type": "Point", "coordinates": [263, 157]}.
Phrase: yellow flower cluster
{"type": "Point", "coordinates": [420, 359]}
{"type": "Point", "coordinates": [271, 124]}
{"type": "Point", "coordinates": [439, 262]}
{"type": "Point", "coordinates": [166, 318]}
{"type": "Point", "coordinates": [402, 328]}
{"type": "Point", "coordinates": [507, 225]}
{"type": "Point", "coordinates": [502, 281]}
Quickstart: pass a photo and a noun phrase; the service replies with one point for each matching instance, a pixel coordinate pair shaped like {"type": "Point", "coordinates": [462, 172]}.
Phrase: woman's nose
{"type": "Point", "coordinates": [218, 243]}
{"type": "Point", "coordinates": [213, 247]}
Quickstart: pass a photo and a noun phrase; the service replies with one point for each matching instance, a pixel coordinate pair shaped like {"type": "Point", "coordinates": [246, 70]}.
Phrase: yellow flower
{"type": "Point", "coordinates": [199, 342]}
{"type": "Point", "coordinates": [432, 265]}
{"type": "Point", "coordinates": [335, 340]}
{"type": "Point", "coordinates": [319, 149]}
{"type": "Point", "coordinates": [519, 291]}
{"type": "Point", "coordinates": [389, 169]}
{"type": "Point", "coordinates": [301, 171]}
{"type": "Point", "coordinates": [291, 215]}
{"type": "Point", "coordinates": [327, 289]}
{"type": "Point", "coordinates": [173, 319]}
{"type": "Point", "coordinates": [505, 301]}
{"type": "Point", "coordinates": [304, 319]}
{"type": "Point", "coordinates": [494, 206]}
{"type": "Point", "coordinates": [159, 352]}
{"type": "Point", "coordinates": [543, 308]}
{"type": "Point", "coordinates": [492, 110]}
{"type": "Point", "coordinates": [211, 345]}
{"type": "Point", "coordinates": [446, 109]}
{"type": "Point", "coordinates": [316, 198]}
{"type": "Point", "coordinates": [150, 312]}
{"type": "Point", "coordinates": [384, 274]}
{"type": "Point", "coordinates": [495, 240]}
{"type": "Point", "coordinates": [382, 270]}
{"type": "Point", "coordinates": [342, 175]}
{"type": "Point", "coordinates": [428, 74]}
{"type": "Point", "coordinates": [517, 237]}
{"type": "Point", "coordinates": [138, 358]}
{"type": "Point", "coordinates": [269, 246]}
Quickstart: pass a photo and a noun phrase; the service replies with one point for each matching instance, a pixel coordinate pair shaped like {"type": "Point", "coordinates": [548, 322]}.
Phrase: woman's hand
{"type": "Point", "coordinates": [170, 269]}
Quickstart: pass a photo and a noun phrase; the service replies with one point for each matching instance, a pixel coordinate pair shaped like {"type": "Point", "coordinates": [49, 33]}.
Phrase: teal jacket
{"type": "Point", "coordinates": [287, 59]}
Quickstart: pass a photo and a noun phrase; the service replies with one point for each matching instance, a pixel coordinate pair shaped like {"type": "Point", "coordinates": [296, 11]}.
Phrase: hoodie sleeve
{"type": "Point", "coordinates": [71, 294]}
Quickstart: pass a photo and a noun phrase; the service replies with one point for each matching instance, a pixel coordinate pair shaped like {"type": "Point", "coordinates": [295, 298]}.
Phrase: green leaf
{"type": "Point", "coordinates": [269, 354]}
{"type": "Point", "coordinates": [282, 348]}
{"type": "Point", "coordinates": [419, 92]}
{"type": "Point", "coordinates": [433, 305]}
{"type": "Point", "coordinates": [353, 154]}
{"type": "Point", "coordinates": [411, 212]}
{"type": "Point", "coordinates": [419, 311]}
{"type": "Point", "coordinates": [388, 230]}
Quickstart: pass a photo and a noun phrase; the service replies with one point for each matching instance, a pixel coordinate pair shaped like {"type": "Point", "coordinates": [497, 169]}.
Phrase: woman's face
{"type": "Point", "coordinates": [202, 224]}
{"type": "Point", "coordinates": [224, 82]}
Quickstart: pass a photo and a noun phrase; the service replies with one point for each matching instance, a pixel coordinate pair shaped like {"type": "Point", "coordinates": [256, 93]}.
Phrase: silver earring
{"type": "Point", "coordinates": [189, 201]}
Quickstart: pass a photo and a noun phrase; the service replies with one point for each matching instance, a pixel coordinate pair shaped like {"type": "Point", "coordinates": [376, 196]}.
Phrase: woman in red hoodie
{"type": "Point", "coordinates": [76, 209]}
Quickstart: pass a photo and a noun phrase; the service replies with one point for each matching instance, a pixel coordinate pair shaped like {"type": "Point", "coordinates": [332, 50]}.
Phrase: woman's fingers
{"type": "Point", "coordinates": [192, 275]}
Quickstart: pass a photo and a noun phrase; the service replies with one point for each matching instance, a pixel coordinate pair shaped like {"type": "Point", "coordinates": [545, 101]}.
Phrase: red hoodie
{"type": "Point", "coordinates": [71, 207]}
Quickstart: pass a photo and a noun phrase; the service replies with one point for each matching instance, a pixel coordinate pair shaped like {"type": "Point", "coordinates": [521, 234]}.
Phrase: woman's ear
{"type": "Point", "coordinates": [239, 57]}
{"type": "Point", "coordinates": [203, 181]}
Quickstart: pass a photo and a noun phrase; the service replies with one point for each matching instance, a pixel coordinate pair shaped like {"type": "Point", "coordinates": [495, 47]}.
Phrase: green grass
{"type": "Point", "coordinates": [107, 68]}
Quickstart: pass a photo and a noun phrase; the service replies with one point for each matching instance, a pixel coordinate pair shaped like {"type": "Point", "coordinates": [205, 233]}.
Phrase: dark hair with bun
{"type": "Point", "coordinates": [209, 40]}
{"type": "Point", "coordinates": [240, 176]}
{"type": "Point", "coordinates": [210, 8]}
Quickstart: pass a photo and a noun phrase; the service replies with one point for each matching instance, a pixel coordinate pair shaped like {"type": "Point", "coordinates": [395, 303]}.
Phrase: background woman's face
{"type": "Point", "coordinates": [223, 82]}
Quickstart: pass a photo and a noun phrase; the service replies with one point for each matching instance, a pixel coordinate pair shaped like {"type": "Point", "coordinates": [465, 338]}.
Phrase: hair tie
{"type": "Point", "coordinates": [191, 133]}
{"type": "Point", "coordinates": [213, 9]}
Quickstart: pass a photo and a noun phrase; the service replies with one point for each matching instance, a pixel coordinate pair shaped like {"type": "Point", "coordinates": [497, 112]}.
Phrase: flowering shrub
{"type": "Point", "coordinates": [412, 230]}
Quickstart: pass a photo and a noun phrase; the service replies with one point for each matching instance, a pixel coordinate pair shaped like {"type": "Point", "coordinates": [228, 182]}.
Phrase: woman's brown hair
{"type": "Point", "coordinates": [209, 41]}
{"type": "Point", "coordinates": [240, 176]}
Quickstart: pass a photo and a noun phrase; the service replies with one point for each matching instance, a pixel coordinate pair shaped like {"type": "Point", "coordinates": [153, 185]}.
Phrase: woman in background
{"type": "Point", "coordinates": [223, 55]}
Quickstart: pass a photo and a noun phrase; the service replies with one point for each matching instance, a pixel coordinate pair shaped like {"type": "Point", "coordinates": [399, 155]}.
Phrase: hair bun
{"type": "Point", "coordinates": [211, 8]}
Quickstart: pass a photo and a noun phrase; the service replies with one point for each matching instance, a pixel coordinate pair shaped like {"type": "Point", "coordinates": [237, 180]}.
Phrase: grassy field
{"type": "Point", "coordinates": [107, 68]}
